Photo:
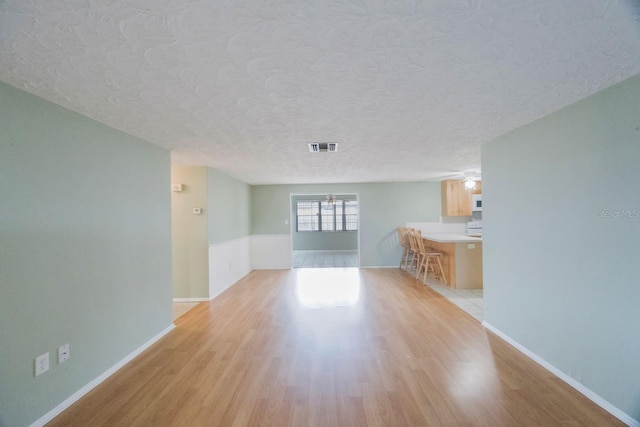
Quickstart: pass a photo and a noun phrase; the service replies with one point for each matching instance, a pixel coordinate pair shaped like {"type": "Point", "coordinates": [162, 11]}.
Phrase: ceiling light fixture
{"type": "Point", "coordinates": [470, 179]}
{"type": "Point", "coordinates": [469, 183]}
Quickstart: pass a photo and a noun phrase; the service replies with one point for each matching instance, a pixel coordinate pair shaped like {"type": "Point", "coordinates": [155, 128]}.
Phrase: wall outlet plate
{"type": "Point", "coordinates": [63, 353]}
{"type": "Point", "coordinates": [197, 211]}
{"type": "Point", "coordinates": [42, 364]}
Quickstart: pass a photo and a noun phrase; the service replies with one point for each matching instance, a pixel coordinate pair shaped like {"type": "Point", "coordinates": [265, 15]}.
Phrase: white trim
{"type": "Point", "coordinates": [96, 382]}
{"type": "Point", "coordinates": [229, 261]}
{"type": "Point", "coordinates": [598, 400]}
{"type": "Point", "coordinates": [220, 291]}
{"type": "Point", "coordinates": [270, 252]}
{"type": "Point", "coordinates": [191, 299]}
{"type": "Point", "coordinates": [380, 266]}
{"type": "Point", "coordinates": [326, 250]}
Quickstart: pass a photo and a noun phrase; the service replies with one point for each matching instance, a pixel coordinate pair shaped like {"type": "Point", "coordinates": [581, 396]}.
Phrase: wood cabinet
{"type": "Point", "coordinates": [456, 198]}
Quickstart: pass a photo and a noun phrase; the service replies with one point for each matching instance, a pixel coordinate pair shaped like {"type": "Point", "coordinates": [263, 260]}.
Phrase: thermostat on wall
{"type": "Point", "coordinates": [197, 211]}
{"type": "Point", "coordinates": [176, 187]}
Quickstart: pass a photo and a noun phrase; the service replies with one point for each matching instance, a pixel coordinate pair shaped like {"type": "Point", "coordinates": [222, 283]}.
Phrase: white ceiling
{"type": "Point", "coordinates": [408, 89]}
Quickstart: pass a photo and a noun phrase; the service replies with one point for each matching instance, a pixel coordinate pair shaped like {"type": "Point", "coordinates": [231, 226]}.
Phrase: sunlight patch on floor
{"type": "Point", "coordinates": [327, 287]}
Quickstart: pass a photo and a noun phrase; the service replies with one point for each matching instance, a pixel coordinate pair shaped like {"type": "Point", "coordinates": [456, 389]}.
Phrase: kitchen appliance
{"type": "Point", "coordinates": [476, 202]}
{"type": "Point", "coordinates": [474, 228]}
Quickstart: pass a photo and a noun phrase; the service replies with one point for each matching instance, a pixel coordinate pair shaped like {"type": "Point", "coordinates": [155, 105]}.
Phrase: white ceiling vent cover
{"type": "Point", "coordinates": [323, 147]}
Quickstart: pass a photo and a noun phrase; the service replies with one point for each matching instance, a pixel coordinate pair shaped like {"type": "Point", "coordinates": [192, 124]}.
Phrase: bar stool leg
{"type": "Point", "coordinates": [427, 262]}
{"type": "Point", "coordinates": [442, 273]}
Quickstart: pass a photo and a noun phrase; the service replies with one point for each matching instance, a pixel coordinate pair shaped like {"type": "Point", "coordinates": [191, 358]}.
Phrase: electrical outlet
{"type": "Point", "coordinates": [63, 353]}
{"type": "Point", "coordinates": [42, 364]}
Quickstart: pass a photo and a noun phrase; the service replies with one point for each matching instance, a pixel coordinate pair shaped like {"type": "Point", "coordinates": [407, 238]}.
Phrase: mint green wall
{"type": "Point", "coordinates": [336, 241]}
{"type": "Point", "coordinates": [85, 250]}
{"type": "Point", "coordinates": [305, 240]}
{"type": "Point", "coordinates": [562, 277]}
{"type": "Point", "coordinates": [229, 207]}
{"type": "Point", "coordinates": [383, 208]}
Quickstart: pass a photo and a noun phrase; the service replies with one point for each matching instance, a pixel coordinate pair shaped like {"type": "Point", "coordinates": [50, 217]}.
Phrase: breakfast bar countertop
{"type": "Point", "coordinates": [461, 258]}
{"type": "Point", "coordinates": [451, 238]}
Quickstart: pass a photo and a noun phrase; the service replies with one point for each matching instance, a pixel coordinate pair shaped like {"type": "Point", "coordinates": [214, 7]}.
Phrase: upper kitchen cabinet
{"type": "Point", "coordinates": [456, 198]}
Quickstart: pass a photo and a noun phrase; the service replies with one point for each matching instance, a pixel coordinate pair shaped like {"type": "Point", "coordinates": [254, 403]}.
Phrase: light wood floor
{"type": "Point", "coordinates": [332, 347]}
{"type": "Point", "coordinates": [180, 308]}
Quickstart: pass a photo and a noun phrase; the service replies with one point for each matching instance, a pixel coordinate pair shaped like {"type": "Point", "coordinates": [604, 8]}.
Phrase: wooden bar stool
{"type": "Point", "coordinates": [404, 241]}
{"type": "Point", "coordinates": [413, 237]}
{"type": "Point", "coordinates": [430, 259]}
{"type": "Point", "coordinates": [433, 258]}
{"type": "Point", "coordinates": [418, 247]}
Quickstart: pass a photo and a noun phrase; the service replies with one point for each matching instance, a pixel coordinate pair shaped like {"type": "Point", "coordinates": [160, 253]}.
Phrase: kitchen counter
{"type": "Point", "coordinates": [451, 238]}
{"type": "Point", "coordinates": [462, 260]}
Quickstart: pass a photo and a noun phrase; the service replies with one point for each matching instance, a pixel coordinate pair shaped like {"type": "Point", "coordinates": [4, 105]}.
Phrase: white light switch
{"type": "Point", "coordinates": [197, 211]}
{"type": "Point", "coordinates": [471, 246]}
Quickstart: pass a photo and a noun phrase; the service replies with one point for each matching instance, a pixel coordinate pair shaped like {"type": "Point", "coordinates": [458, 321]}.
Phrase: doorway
{"type": "Point", "coordinates": [325, 230]}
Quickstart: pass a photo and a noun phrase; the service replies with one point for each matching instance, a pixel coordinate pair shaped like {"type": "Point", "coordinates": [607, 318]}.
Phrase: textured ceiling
{"type": "Point", "coordinates": [408, 89]}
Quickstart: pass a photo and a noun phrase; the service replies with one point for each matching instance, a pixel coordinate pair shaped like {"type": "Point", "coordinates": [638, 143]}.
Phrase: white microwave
{"type": "Point", "coordinates": [476, 202]}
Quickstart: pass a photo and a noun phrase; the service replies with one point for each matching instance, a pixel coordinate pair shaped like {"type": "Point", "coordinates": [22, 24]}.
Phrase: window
{"type": "Point", "coordinates": [307, 216]}
{"type": "Point", "coordinates": [350, 215]}
{"type": "Point", "coordinates": [322, 216]}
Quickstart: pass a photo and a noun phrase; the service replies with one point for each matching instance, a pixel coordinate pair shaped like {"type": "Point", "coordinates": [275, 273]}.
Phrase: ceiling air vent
{"type": "Point", "coordinates": [323, 147]}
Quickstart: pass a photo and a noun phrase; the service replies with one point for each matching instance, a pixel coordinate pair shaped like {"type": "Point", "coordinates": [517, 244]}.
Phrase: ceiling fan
{"type": "Point", "coordinates": [469, 177]}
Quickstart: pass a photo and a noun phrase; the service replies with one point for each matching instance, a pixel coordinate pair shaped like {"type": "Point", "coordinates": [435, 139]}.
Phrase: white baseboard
{"type": "Point", "coordinates": [220, 291]}
{"type": "Point", "coordinates": [598, 400]}
{"type": "Point", "coordinates": [191, 299]}
{"type": "Point", "coordinates": [229, 261]}
{"type": "Point", "coordinates": [326, 250]}
{"type": "Point", "coordinates": [93, 384]}
{"type": "Point", "coordinates": [379, 266]}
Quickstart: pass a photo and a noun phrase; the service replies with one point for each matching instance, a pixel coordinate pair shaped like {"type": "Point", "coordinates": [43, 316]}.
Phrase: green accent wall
{"type": "Point", "coordinates": [85, 250]}
{"type": "Point", "coordinates": [561, 213]}
{"type": "Point", "coordinates": [229, 207]}
{"type": "Point", "coordinates": [383, 208]}
{"type": "Point", "coordinates": [335, 241]}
